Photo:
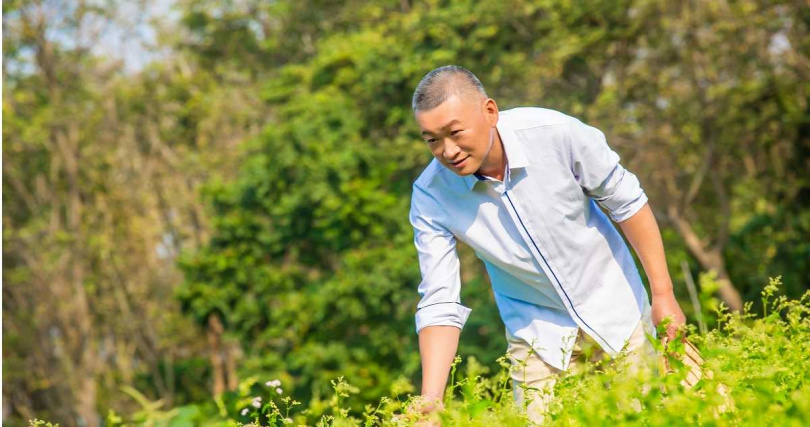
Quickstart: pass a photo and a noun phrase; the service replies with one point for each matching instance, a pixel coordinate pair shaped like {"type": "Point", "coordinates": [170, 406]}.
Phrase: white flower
{"type": "Point", "coordinates": [278, 390]}
{"type": "Point", "coordinates": [257, 402]}
{"type": "Point", "coordinates": [273, 383]}
{"type": "Point", "coordinates": [288, 420]}
{"type": "Point", "coordinates": [244, 412]}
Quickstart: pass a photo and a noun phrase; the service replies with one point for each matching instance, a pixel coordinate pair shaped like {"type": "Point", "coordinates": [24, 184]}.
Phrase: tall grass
{"type": "Point", "coordinates": [762, 360]}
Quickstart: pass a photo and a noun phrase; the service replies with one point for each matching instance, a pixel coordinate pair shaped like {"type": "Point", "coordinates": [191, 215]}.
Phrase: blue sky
{"type": "Point", "coordinates": [130, 36]}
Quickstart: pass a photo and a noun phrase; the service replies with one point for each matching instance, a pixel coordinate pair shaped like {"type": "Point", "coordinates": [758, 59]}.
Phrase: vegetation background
{"type": "Point", "coordinates": [201, 196]}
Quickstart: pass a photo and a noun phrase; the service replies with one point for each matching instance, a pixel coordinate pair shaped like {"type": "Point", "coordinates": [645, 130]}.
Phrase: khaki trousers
{"type": "Point", "coordinates": [534, 373]}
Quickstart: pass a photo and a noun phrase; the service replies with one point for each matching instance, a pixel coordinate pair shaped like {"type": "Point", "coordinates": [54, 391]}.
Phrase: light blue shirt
{"type": "Point", "coordinates": [555, 261]}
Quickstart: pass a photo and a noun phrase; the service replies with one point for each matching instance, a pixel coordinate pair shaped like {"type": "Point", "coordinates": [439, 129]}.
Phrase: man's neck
{"type": "Point", "coordinates": [496, 161]}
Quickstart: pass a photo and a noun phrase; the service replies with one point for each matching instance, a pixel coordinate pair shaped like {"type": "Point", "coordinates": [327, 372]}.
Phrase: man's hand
{"type": "Point", "coordinates": [666, 305]}
{"type": "Point", "coordinates": [425, 405]}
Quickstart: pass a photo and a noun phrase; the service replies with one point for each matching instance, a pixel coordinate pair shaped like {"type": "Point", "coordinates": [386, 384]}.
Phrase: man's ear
{"type": "Point", "coordinates": [491, 111]}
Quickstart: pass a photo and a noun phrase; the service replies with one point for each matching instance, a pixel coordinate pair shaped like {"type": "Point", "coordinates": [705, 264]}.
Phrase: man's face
{"type": "Point", "coordinates": [458, 132]}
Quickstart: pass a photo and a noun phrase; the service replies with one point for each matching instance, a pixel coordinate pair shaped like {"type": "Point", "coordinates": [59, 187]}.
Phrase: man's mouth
{"type": "Point", "coordinates": [456, 163]}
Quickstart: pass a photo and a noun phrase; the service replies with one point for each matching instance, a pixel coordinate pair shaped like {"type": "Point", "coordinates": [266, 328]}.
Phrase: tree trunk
{"type": "Point", "coordinates": [231, 354]}
{"type": "Point", "coordinates": [710, 258]}
{"type": "Point", "coordinates": [214, 332]}
{"type": "Point", "coordinates": [86, 405]}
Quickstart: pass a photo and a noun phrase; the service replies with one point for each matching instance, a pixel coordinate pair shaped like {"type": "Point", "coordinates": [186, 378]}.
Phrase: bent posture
{"type": "Point", "coordinates": [522, 187]}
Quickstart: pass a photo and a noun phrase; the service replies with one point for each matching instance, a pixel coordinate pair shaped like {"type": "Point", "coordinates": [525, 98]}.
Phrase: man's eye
{"type": "Point", "coordinates": [431, 141]}
{"type": "Point", "coordinates": [454, 132]}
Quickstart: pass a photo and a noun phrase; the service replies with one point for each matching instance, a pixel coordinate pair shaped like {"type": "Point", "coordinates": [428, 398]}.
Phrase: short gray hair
{"type": "Point", "coordinates": [442, 83]}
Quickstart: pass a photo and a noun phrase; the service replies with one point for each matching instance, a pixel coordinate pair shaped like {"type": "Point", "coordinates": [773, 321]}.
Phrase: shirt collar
{"type": "Point", "coordinates": [515, 156]}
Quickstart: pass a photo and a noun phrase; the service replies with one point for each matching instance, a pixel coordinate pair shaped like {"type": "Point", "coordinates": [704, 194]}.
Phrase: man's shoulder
{"type": "Point", "coordinates": [426, 192]}
{"type": "Point", "coordinates": [436, 185]}
{"type": "Point", "coordinates": [530, 117]}
{"type": "Point", "coordinates": [428, 174]}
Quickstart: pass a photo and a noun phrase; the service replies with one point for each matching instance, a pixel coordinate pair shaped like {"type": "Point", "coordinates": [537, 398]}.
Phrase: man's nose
{"type": "Point", "coordinates": [450, 149]}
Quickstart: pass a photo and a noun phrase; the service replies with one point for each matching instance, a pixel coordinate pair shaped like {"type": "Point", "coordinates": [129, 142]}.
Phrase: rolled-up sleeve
{"type": "Point", "coordinates": [597, 169]}
{"type": "Point", "coordinates": [440, 287]}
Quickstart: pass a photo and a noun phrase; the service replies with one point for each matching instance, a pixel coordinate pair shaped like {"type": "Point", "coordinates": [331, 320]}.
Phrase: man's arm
{"type": "Point", "coordinates": [642, 231]}
{"type": "Point", "coordinates": [437, 348]}
{"type": "Point", "coordinates": [597, 169]}
{"type": "Point", "coordinates": [440, 316]}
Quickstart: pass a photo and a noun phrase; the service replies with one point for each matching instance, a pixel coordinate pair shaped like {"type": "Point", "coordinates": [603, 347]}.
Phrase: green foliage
{"type": "Point", "coordinates": [760, 360]}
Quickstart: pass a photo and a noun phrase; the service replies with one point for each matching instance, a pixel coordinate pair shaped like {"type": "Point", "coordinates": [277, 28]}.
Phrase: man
{"type": "Point", "coordinates": [521, 188]}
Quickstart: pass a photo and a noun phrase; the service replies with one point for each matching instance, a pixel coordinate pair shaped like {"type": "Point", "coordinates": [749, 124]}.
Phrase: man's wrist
{"type": "Point", "coordinates": [662, 288]}
{"type": "Point", "coordinates": [663, 294]}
